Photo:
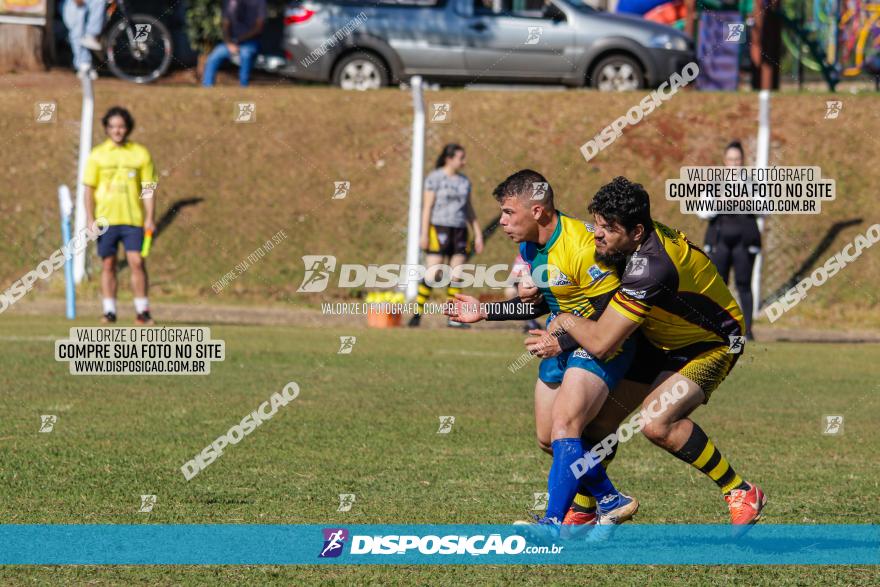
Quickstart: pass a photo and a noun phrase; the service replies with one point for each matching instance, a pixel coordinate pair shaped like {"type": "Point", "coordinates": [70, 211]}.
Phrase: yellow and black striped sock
{"type": "Point", "coordinates": [452, 289]}
{"type": "Point", "coordinates": [422, 297]}
{"type": "Point", "coordinates": [700, 452]}
{"type": "Point", "coordinates": [584, 503]}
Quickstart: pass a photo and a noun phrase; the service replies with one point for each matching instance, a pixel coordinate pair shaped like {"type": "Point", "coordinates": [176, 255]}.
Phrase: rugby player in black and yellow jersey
{"type": "Point", "coordinates": [692, 330]}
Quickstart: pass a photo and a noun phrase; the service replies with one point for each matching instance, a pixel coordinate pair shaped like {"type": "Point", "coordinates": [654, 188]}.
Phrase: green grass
{"type": "Point", "coordinates": [366, 424]}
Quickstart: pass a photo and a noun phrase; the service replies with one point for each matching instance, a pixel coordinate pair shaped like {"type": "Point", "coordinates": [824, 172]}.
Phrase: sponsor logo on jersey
{"type": "Point", "coordinates": [582, 354]}
{"type": "Point", "coordinates": [555, 277]}
{"type": "Point", "coordinates": [596, 273]}
{"type": "Point", "coordinates": [638, 294]}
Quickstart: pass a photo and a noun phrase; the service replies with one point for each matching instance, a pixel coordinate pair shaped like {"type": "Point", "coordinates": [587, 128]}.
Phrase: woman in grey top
{"type": "Point", "coordinates": [447, 213]}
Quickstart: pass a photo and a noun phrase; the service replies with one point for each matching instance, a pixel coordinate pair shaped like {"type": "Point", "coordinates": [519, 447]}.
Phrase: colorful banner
{"type": "Point", "coordinates": [206, 544]}
{"type": "Point", "coordinates": [720, 37]}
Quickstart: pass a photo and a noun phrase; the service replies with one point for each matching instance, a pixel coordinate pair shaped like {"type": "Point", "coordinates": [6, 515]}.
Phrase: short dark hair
{"type": "Point", "coordinates": [522, 185]}
{"type": "Point", "coordinates": [119, 111]}
{"type": "Point", "coordinates": [624, 202]}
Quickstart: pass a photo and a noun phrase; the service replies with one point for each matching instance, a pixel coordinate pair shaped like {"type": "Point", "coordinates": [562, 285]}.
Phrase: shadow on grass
{"type": "Point", "coordinates": [164, 222]}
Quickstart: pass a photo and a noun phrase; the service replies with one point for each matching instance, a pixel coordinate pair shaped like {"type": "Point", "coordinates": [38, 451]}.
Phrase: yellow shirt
{"type": "Point", "coordinates": [674, 291]}
{"type": "Point", "coordinates": [117, 174]}
{"type": "Point", "coordinates": [567, 272]}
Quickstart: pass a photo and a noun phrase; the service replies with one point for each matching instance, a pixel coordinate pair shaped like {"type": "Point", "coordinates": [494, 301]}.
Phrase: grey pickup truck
{"type": "Point", "coordinates": [366, 44]}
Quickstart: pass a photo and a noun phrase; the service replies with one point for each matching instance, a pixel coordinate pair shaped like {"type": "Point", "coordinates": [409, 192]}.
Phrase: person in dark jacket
{"type": "Point", "coordinates": [733, 241]}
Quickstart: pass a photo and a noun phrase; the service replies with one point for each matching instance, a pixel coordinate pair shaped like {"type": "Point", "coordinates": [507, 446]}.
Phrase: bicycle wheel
{"type": "Point", "coordinates": [139, 50]}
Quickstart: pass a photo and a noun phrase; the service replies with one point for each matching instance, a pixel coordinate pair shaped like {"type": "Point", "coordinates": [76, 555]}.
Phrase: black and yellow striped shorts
{"type": "Point", "coordinates": [705, 363]}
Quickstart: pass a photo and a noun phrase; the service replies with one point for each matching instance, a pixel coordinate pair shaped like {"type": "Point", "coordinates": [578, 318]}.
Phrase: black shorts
{"type": "Point", "coordinates": [448, 241]}
{"type": "Point", "coordinates": [704, 363]}
{"type": "Point", "coordinates": [131, 237]}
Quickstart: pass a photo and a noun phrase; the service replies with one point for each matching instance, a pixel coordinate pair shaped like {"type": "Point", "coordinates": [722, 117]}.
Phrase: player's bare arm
{"type": "Point", "coordinates": [475, 226]}
{"type": "Point", "coordinates": [601, 338]}
{"type": "Point", "coordinates": [150, 212]}
{"type": "Point", "coordinates": [427, 207]}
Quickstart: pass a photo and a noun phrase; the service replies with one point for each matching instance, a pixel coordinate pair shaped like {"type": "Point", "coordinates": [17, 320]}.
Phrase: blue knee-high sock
{"type": "Point", "coordinates": [562, 483]}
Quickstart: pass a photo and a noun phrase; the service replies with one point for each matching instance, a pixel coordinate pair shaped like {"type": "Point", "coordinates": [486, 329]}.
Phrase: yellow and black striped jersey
{"type": "Point", "coordinates": [567, 272]}
{"type": "Point", "coordinates": [674, 291]}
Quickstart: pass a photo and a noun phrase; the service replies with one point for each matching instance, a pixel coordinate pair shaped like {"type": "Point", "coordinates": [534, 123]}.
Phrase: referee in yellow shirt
{"type": "Point", "coordinates": [120, 182]}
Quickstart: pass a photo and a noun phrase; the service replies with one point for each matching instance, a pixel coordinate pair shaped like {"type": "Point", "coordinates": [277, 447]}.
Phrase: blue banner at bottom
{"type": "Point", "coordinates": [221, 544]}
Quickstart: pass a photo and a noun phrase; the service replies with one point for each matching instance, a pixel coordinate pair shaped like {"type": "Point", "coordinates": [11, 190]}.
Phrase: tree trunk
{"type": "Point", "coordinates": [21, 48]}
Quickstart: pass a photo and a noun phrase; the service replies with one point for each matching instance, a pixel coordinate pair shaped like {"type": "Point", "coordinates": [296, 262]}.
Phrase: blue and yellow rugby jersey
{"type": "Point", "coordinates": [674, 291]}
{"type": "Point", "coordinates": [576, 282]}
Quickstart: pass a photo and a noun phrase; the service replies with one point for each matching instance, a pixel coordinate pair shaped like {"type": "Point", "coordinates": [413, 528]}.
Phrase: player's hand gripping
{"type": "Point", "coordinates": [528, 291]}
{"type": "Point", "coordinates": [543, 345]}
{"type": "Point", "coordinates": [465, 309]}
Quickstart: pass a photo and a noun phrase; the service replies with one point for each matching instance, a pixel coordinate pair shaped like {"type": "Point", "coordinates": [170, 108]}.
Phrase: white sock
{"type": "Point", "coordinates": [109, 305]}
{"type": "Point", "coordinates": [141, 305]}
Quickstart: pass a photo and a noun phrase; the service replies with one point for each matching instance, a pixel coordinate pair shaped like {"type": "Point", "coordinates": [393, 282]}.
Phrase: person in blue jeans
{"type": "Point", "coordinates": [84, 20]}
{"type": "Point", "coordinates": [243, 22]}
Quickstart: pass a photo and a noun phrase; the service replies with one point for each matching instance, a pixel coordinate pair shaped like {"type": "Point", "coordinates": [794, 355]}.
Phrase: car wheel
{"type": "Point", "coordinates": [618, 73]}
{"type": "Point", "coordinates": [360, 71]}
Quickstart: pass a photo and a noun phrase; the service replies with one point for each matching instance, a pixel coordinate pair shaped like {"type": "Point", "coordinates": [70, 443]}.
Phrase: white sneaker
{"type": "Point", "coordinates": [90, 42]}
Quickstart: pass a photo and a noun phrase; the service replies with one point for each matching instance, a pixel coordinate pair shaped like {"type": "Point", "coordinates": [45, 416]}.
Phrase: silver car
{"type": "Point", "coordinates": [366, 44]}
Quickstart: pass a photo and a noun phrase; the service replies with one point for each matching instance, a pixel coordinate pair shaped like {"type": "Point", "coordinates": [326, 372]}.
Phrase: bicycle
{"type": "Point", "coordinates": [137, 47]}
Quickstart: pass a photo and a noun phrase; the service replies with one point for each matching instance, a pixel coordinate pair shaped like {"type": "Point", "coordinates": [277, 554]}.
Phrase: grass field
{"type": "Point", "coordinates": [366, 423]}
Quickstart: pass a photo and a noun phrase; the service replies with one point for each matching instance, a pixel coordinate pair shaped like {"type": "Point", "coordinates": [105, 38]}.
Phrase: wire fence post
{"type": "Point", "coordinates": [415, 185]}
{"type": "Point", "coordinates": [85, 146]}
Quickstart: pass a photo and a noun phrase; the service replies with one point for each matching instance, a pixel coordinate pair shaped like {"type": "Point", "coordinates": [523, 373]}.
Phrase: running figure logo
{"type": "Point", "coordinates": [346, 345]}
{"type": "Point", "coordinates": [833, 425]}
{"type": "Point", "coordinates": [46, 111]}
{"type": "Point", "coordinates": [540, 501]}
{"type": "Point", "coordinates": [47, 423]}
{"type": "Point", "coordinates": [318, 270]}
{"type": "Point", "coordinates": [637, 266]}
{"type": "Point", "coordinates": [735, 32]}
{"type": "Point", "coordinates": [245, 112]}
{"type": "Point", "coordinates": [534, 35]}
{"type": "Point", "coordinates": [446, 423]}
{"type": "Point", "coordinates": [147, 503]}
{"type": "Point", "coordinates": [334, 540]}
{"type": "Point", "coordinates": [441, 112]}
{"type": "Point", "coordinates": [539, 190]}
{"type": "Point", "coordinates": [148, 188]}
{"type": "Point", "coordinates": [346, 501]}
{"type": "Point", "coordinates": [832, 109]}
{"type": "Point", "coordinates": [736, 344]}
{"type": "Point", "coordinates": [340, 189]}
{"type": "Point", "coordinates": [142, 32]}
